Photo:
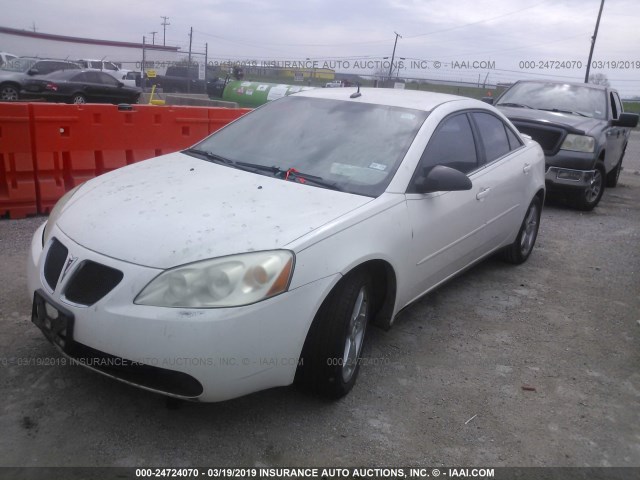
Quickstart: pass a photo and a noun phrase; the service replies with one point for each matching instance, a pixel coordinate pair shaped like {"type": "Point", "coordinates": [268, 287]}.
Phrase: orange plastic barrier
{"type": "Point", "coordinates": [17, 187]}
{"type": "Point", "coordinates": [47, 149]}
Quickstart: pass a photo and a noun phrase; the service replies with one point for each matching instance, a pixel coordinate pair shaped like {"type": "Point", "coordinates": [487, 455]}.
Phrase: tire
{"type": "Point", "coordinates": [330, 359]}
{"type": "Point", "coordinates": [518, 252]}
{"type": "Point", "coordinates": [9, 93]}
{"type": "Point", "coordinates": [78, 99]}
{"type": "Point", "coordinates": [588, 198]}
{"type": "Point", "coordinates": [614, 175]}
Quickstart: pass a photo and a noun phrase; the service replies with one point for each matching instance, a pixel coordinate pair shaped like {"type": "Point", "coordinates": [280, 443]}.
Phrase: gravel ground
{"type": "Point", "coordinates": [536, 365]}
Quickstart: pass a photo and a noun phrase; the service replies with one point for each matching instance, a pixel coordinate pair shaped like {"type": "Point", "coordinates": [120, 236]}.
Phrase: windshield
{"type": "Point", "coordinates": [19, 65]}
{"type": "Point", "coordinates": [586, 101]}
{"type": "Point", "coordinates": [355, 146]}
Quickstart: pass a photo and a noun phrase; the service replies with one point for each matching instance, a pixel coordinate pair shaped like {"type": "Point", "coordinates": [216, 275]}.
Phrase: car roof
{"type": "Point", "coordinates": [69, 72]}
{"type": "Point", "coordinates": [394, 97]}
{"type": "Point", "coordinates": [559, 82]}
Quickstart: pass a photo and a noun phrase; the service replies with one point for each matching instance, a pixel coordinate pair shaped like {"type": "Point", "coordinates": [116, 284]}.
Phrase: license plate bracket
{"type": "Point", "coordinates": [54, 321]}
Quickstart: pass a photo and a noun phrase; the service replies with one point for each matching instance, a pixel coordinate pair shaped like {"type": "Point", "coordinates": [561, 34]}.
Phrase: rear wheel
{"type": "Point", "coordinates": [521, 248]}
{"type": "Point", "coordinates": [330, 359]}
{"type": "Point", "coordinates": [8, 93]}
{"type": "Point", "coordinates": [588, 198]}
{"type": "Point", "coordinates": [78, 98]}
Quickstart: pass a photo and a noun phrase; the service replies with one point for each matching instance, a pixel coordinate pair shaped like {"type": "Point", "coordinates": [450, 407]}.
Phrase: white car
{"type": "Point", "coordinates": [6, 57]}
{"type": "Point", "coordinates": [259, 256]}
{"type": "Point", "coordinates": [105, 66]}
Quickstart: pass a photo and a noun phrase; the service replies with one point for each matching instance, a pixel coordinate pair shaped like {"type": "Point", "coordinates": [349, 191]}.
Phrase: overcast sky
{"type": "Point", "coordinates": [454, 33]}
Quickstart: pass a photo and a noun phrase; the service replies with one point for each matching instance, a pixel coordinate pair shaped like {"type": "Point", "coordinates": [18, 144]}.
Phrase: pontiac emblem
{"type": "Point", "coordinates": [70, 262]}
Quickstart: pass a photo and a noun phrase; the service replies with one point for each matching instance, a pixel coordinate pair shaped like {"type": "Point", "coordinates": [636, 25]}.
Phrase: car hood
{"type": "Point", "coordinates": [572, 123]}
{"type": "Point", "coordinates": [178, 209]}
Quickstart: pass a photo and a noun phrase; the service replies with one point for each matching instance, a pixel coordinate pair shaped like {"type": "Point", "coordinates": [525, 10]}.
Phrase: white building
{"type": "Point", "coordinates": [129, 55]}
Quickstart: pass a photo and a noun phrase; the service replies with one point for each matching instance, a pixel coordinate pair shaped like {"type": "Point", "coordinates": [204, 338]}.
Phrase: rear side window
{"type": "Point", "coordinates": [493, 133]}
{"type": "Point", "coordinates": [514, 140]}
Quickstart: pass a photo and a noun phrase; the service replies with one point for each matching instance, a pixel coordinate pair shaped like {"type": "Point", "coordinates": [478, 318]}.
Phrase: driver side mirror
{"type": "Point", "coordinates": [33, 71]}
{"type": "Point", "coordinates": [626, 120]}
{"type": "Point", "coordinates": [442, 179]}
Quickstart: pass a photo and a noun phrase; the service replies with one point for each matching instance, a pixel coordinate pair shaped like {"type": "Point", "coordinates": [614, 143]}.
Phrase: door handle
{"type": "Point", "coordinates": [483, 193]}
{"type": "Point", "coordinates": [526, 168]}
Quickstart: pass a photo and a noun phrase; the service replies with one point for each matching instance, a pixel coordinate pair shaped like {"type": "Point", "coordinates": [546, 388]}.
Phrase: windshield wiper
{"type": "Point", "coordinates": [306, 177]}
{"type": "Point", "coordinates": [563, 111]}
{"type": "Point", "coordinates": [247, 167]}
{"type": "Point", "coordinates": [210, 156]}
{"type": "Point", "coordinates": [516, 105]}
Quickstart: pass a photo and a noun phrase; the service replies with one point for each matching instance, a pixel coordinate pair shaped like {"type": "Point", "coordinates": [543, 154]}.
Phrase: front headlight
{"type": "Point", "coordinates": [230, 281]}
{"type": "Point", "coordinates": [579, 143]}
{"type": "Point", "coordinates": [55, 213]}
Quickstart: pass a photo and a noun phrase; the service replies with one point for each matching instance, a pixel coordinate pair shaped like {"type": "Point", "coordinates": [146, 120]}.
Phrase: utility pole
{"type": "Point", "coordinates": [393, 55]}
{"type": "Point", "coordinates": [164, 29]}
{"type": "Point", "coordinates": [189, 62]}
{"type": "Point", "coordinates": [206, 56]}
{"type": "Point", "coordinates": [153, 38]}
{"type": "Point", "coordinates": [142, 79]}
{"type": "Point", "coordinates": [593, 43]}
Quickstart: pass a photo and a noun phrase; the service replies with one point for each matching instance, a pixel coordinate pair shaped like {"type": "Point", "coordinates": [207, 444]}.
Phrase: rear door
{"type": "Point", "coordinates": [505, 177]}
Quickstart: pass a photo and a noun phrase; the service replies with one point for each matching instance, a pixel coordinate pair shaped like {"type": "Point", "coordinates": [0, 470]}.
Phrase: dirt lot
{"type": "Point", "coordinates": [447, 388]}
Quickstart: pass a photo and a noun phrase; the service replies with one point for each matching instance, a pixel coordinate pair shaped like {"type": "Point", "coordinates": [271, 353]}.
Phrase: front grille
{"type": "Point", "coordinates": [549, 138]}
{"type": "Point", "coordinates": [155, 378]}
{"type": "Point", "coordinates": [90, 282]}
{"type": "Point", "coordinates": [54, 263]}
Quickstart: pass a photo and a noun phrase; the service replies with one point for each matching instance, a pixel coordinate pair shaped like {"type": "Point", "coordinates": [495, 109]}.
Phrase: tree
{"type": "Point", "coordinates": [599, 79]}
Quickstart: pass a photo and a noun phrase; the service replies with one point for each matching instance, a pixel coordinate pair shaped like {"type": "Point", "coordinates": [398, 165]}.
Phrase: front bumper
{"type": "Point", "coordinates": [558, 178]}
{"type": "Point", "coordinates": [230, 352]}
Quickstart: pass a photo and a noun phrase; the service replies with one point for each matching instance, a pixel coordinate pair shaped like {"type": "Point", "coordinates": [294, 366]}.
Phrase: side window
{"type": "Point", "coordinates": [43, 67]}
{"type": "Point", "coordinates": [493, 133]}
{"type": "Point", "coordinates": [616, 105]}
{"type": "Point", "coordinates": [93, 77]}
{"type": "Point", "coordinates": [110, 66]}
{"type": "Point", "coordinates": [451, 145]}
{"type": "Point", "coordinates": [107, 79]}
{"type": "Point", "coordinates": [81, 77]}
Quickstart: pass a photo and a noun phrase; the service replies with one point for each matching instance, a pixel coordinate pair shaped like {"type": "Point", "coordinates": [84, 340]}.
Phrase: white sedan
{"type": "Point", "coordinates": [260, 256]}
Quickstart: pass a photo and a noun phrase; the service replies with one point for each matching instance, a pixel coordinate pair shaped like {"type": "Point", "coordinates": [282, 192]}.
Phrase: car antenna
{"type": "Point", "coordinates": [356, 94]}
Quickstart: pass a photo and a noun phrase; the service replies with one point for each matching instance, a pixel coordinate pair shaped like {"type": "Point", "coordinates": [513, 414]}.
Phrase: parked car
{"type": "Point", "coordinates": [6, 57]}
{"type": "Point", "coordinates": [14, 74]}
{"type": "Point", "coordinates": [80, 86]}
{"type": "Point", "coordinates": [280, 238]}
{"type": "Point", "coordinates": [334, 84]}
{"type": "Point", "coordinates": [582, 129]}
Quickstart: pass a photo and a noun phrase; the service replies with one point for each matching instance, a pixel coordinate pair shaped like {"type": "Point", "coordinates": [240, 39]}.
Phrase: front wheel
{"type": "Point", "coordinates": [521, 248]}
{"type": "Point", "coordinates": [588, 198]}
{"type": "Point", "coordinates": [332, 352]}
